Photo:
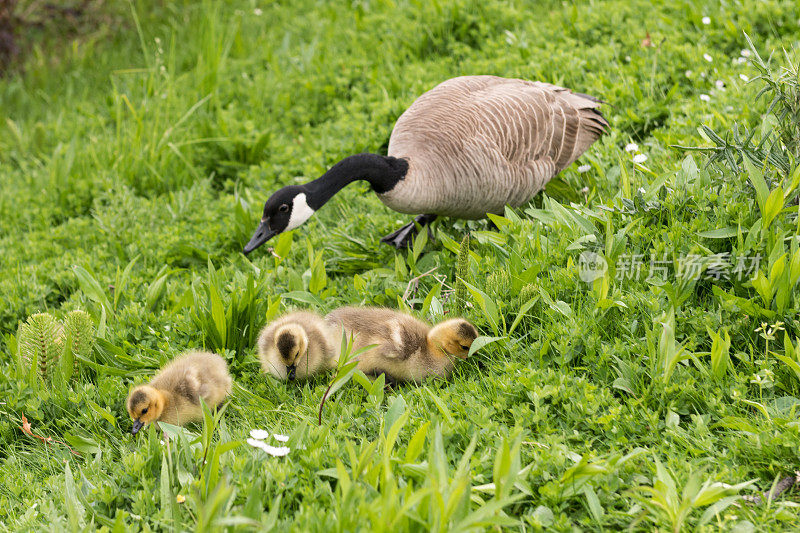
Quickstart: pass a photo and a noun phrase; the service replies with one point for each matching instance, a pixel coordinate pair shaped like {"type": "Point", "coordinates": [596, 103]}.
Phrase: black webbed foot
{"type": "Point", "coordinates": [403, 237]}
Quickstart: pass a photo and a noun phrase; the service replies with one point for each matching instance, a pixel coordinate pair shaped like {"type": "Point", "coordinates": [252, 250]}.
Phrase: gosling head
{"type": "Point", "coordinates": [453, 337]}
{"type": "Point", "coordinates": [291, 342]}
{"type": "Point", "coordinates": [145, 405]}
{"type": "Point", "coordinates": [285, 210]}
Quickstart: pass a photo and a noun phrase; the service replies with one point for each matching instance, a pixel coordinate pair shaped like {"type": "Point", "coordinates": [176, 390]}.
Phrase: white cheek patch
{"type": "Point", "coordinates": [300, 212]}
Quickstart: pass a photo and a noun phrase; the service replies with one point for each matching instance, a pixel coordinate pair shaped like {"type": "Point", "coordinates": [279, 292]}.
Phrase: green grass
{"type": "Point", "coordinates": [134, 163]}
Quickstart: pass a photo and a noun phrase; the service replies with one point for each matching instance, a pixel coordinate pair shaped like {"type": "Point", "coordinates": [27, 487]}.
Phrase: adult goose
{"type": "Point", "coordinates": [469, 146]}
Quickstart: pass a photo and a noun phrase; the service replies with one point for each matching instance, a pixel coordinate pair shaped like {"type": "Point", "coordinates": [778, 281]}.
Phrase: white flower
{"type": "Point", "coordinates": [688, 73]}
{"type": "Point", "coordinates": [255, 443]}
{"type": "Point", "coordinates": [631, 147]}
{"type": "Point", "coordinates": [584, 168]}
{"type": "Point", "coordinates": [257, 12]}
{"type": "Point", "coordinates": [708, 58]}
{"type": "Point", "coordinates": [627, 59]}
{"type": "Point", "coordinates": [276, 451]}
{"type": "Point", "coordinates": [745, 52]}
{"type": "Point", "coordinates": [705, 98]}
{"type": "Point", "coordinates": [706, 20]}
{"type": "Point", "coordinates": [702, 74]}
{"type": "Point", "coordinates": [259, 434]}
{"type": "Point", "coordinates": [720, 84]}
{"type": "Point", "coordinates": [639, 158]}
{"type": "Point", "coordinates": [744, 77]}
{"type": "Point", "coordinates": [740, 60]}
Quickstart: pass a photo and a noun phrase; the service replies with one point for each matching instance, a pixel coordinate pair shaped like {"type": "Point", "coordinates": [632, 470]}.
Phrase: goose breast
{"type": "Point", "coordinates": [477, 143]}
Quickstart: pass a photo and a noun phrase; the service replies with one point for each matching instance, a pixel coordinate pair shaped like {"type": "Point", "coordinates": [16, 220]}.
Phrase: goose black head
{"type": "Point", "coordinates": [285, 210]}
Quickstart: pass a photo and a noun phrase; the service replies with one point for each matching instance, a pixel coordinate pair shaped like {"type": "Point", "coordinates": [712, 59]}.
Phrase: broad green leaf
{"type": "Point", "coordinates": [487, 305]}
{"type": "Point", "coordinates": [82, 444]}
{"type": "Point", "coordinates": [416, 443]}
{"type": "Point", "coordinates": [397, 408]}
{"type": "Point", "coordinates": [524, 308]}
{"type": "Point", "coordinates": [167, 501]}
{"type": "Point", "coordinates": [721, 233]}
{"type": "Point", "coordinates": [304, 297]}
{"type": "Point", "coordinates": [75, 511]}
{"type": "Point", "coordinates": [482, 342]}
{"type": "Point", "coordinates": [91, 287]}
{"type": "Point", "coordinates": [792, 364]}
{"type": "Point", "coordinates": [757, 180]}
{"type": "Point", "coordinates": [103, 412]}
{"type": "Point", "coordinates": [773, 206]}
{"type": "Point", "coordinates": [157, 289]}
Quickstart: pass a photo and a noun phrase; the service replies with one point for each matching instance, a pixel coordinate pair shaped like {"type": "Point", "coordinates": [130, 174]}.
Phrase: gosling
{"type": "Point", "coordinates": [298, 345]}
{"type": "Point", "coordinates": [407, 349]}
{"type": "Point", "coordinates": [173, 396]}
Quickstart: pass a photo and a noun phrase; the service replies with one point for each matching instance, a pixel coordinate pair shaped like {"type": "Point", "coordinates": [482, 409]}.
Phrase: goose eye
{"type": "Point", "coordinates": [144, 411]}
{"type": "Point", "coordinates": [283, 208]}
{"type": "Point", "coordinates": [464, 347]}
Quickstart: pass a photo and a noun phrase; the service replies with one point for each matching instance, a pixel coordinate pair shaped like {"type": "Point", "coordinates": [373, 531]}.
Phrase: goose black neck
{"type": "Point", "coordinates": [382, 172]}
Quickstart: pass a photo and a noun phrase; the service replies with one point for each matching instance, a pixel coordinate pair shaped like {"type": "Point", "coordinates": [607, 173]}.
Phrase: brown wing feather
{"type": "Point", "coordinates": [476, 143]}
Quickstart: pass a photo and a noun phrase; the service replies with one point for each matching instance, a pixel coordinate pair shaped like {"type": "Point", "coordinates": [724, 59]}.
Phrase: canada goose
{"type": "Point", "coordinates": [468, 147]}
{"type": "Point", "coordinates": [298, 345]}
{"type": "Point", "coordinates": [407, 349]}
{"type": "Point", "coordinates": [173, 396]}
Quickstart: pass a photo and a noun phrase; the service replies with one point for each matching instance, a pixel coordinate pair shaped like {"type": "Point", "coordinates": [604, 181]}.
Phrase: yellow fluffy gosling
{"type": "Point", "coordinates": [407, 349]}
{"type": "Point", "coordinates": [298, 345]}
{"type": "Point", "coordinates": [173, 396]}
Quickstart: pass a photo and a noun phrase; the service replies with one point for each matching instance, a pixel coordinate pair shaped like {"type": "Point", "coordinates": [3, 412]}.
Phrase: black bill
{"type": "Point", "coordinates": [262, 235]}
{"type": "Point", "coordinates": [137, 425]}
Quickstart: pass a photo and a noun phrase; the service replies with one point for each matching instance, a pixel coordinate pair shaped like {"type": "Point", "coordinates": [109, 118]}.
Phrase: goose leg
{"type": "Point", "coordinates": [403, 237]}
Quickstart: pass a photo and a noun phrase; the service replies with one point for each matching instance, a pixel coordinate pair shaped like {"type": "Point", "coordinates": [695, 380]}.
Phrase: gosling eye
{"type": "Point", "coordinates": [144, 411]}
{"type": "Point", "coordinates": [464, 347]}
{"type": "Point", "coordinates": [283, 208]}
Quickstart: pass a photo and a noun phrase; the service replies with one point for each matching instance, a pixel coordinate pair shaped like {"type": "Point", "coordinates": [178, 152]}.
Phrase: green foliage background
{"type": "Point", "coordinates": [135, 159]}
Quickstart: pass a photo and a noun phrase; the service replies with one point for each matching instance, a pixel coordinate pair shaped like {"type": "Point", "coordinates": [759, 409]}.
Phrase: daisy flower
{"type": "Point", "coordinates": [275, 451]}
{"type": "Point", "coordinates": [259, 434]}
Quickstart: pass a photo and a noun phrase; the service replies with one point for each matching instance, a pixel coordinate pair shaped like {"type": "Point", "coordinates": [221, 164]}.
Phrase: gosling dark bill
{"type": "Point", "coordinates": [137, 425]}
